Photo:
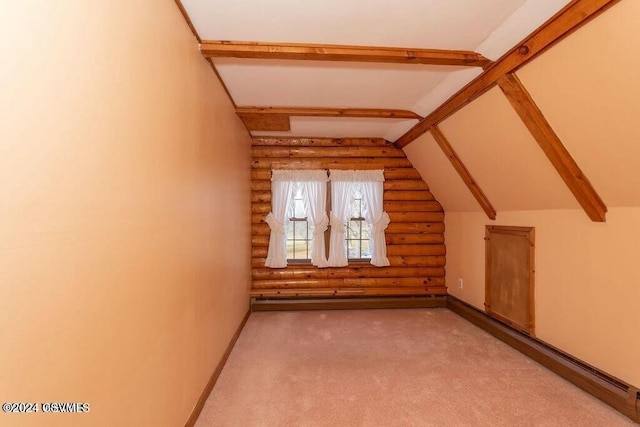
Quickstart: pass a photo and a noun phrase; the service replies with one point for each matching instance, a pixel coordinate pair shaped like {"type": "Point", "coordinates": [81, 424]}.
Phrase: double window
{"type": "Point", "coordinates": [299, 231]}
{"type": "Point", "coordinates": [300, 218]}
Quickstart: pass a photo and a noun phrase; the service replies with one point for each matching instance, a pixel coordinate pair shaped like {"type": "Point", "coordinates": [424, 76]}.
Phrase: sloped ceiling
{"type": "Point", "coordinates": [587, 87]}
{"type": "Point", "coordinates": [490, 27]}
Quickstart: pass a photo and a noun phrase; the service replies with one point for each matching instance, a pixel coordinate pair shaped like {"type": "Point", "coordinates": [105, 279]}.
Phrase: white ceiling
{"type": "Point", "coordinates": [490, 27]}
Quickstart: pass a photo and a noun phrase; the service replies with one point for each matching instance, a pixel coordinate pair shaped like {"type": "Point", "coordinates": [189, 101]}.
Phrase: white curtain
{"type": "Point", "coordinates": [344, 184]}
{"type": "Point", "coordinates": [341, 196]}
{"type": "Point", "coordinates": [284, 184]}
{"type": "Point", "coordinates": [314, 194]}
{"type": "Point", "coordinates": [377, 219]}
{"type": "Point", "coordinates": [281, 199]}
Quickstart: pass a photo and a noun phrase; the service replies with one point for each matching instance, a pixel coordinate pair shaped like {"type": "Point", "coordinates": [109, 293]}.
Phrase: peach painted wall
{"type": "Point", "coordinates": [587, 290]}
{"type": "Point", "coordinates": [124, 213]}
{"type": "Point", "coordinates": [587, 276]}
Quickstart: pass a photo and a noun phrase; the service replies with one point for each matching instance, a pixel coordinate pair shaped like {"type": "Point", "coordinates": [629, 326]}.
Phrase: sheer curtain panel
{"type": "Point", "coordinates": [377, 219]}
{"type": "Point", "coordinates": [284, 184]}
{"type": "Point", "coordinates": [344, 184]}
{"type": "Point", "coordinates": [314, 194]}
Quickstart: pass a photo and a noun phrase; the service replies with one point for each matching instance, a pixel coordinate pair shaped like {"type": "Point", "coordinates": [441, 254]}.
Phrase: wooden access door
{"type": "Point", "coordinates": [509, 281]}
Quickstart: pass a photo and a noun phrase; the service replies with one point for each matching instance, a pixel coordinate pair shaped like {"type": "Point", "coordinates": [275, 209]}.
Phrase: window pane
{"type": "Point", "coordinates": [366, 249]}
{"type": "Point", "coordinates": [355, 210]}
{"type": "Point", "coordinates": [353, 247]}
{"type": "Point", "coordinates": [357, 239]}
{"type": "Point", "coordinates": [289, 249]}
{"type": "Point", "coordinates": [289, 227]}
{"type": "Point", "coordinates": [299, 209]}
{"type": "Point", "coordinates": [353, 230]}
{"type": "Point", "coordinates": [301, 249]}
{"type": "Point", "coordinates": [301, 230]}
{"type": "Point", "coordinates": [365, 231]}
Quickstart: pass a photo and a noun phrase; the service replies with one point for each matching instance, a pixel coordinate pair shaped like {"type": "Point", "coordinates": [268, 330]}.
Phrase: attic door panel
{"type": "Point", "coordinates": [509, 276]}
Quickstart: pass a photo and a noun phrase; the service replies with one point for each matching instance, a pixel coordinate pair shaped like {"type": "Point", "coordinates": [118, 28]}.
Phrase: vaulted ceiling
{"type": "Point", "coordinates": [489, 27]}
{"type": "Point", "coordinates": [437, 77]}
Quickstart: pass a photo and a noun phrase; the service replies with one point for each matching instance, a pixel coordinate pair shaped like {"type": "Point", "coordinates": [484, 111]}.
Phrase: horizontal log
{"type": "Point", "coordinates": [259, 208]}
{"type": "Point", "coordinates": [415, 227]}
{"type": "Point", "coordinates": [406, 184]}
{"type": "Point", "coordinates": [389, 206]}
{"type": "Point", "coordinates": [394, 228]}
{"type": "Point", "coordinates": [415, 250]}
{"type": "Point", "coordinates": [257, 218]}
{"type": "Point", "coordinates": [264, 196]}
{"type": "Point", "coordinates": [424, 270]}
{"type": "Point", "coordinates": [404, 239]}
{"type": "Point", "coordinates": [416, 216]}
{"type": "Point", "coordinates": [419, 261]}
{"type": "Point", "coordinates": [322, 142]}
{"type": "Point", "coordinates": [389, 173]}
{"type": "Point", "coordinates": [395, 261]}
{"type": "Point", "coordinates": [325, 152]}
{"type": "Point", "coordinates": [310, 272]}
{"type": "Point", "coordinates": [428, 239]}
{"type": "Point", "coordinates": [400, 195]}
{"type": "Point", "coordinates": [347, 282]}
{"type": "Point", "coordinates": [433, 251]}
{"type": "Point", "coordinates": [392, 239]}
{"type": "Point", "coordinates": [262, 193]}
{"type": "Point", "coordinates": [366, 163]}
{"type": "Point", "coordinates": [261, 196]}
{"type": "Point", "coordinates": [316, 292]}
{"type": "Point", "coordinates": [390, 185]}
{"type": "Point", "coordinates": [412, 206]}
{"type": "Point", "coordinates": [425, 233]}
{"type": "Point", "coordinates": [260, 240]}
{"type": "Point", "coordinates": [260, 229]}
{"type": "Point", "coordinates": [261, 185]}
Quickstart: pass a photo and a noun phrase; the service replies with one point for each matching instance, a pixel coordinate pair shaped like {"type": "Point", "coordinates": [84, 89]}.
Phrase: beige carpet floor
{"type": "Point", "coordinates": [388, 368]}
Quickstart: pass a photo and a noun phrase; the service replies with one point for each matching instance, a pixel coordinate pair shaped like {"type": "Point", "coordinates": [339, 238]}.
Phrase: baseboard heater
{"type": "Point", "coordinates": [347, 303]}
{"type": "Point", "coordinates": [616, 393]}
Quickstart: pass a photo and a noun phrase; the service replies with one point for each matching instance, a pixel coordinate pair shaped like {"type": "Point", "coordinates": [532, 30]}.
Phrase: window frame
{"type": "Point", "coordinates": [307, 261]}
{"type": "Point", "coordinates": [293, 220]}
{"type": "Point", "coordinates": [362, 223]}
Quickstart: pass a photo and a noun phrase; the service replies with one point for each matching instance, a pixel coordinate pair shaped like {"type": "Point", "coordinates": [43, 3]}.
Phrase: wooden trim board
{"type": "Point", "coordinates": [612, 391]}
{"type": "Point", "coordinates": [197, 409]}
{"type": "Point", "coordinates": [374, 113]}
{"type": "Point", "coordinates": [265, 304]}
{"type": "Point", "coordinates": [331, 52]}
{"type": "Point", "coordinates": [550, 143]}
{"type": "Point", "coordinates": [186, 17]}
{"type": "Point", "coordinates": [464, 173]}
{"type": "Point", "coordinates": [563, 23]}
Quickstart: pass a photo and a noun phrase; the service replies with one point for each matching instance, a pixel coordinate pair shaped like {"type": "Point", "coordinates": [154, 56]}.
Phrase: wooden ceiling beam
{"type": "Point", "coordinates": [328, 52]}
{"type": "Point", "coordinates": [570, 18]}
{"type": "Point", "coordinates": [378, 113]}
{"type": "Point", "coordinates": [266, 122]}
{"type": "Point", "coordinates": [464, 173]}
{"type": "Point", "coordinates": [550, 143]}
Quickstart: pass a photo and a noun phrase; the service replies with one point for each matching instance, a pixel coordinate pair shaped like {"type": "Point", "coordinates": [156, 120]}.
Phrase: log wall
{"type": "Point", "coordinates": [415, 236]}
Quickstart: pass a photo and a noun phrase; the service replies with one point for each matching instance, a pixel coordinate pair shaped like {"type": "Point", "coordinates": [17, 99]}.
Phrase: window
{"type": "Point", "coordinates": [299, 231]}
{"type": "Point", "coordinates": [299, 218]}
{"type": "Point", "coordinates": [358, 220]}
{"type": "Point", "coordinates": [357, 231]}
